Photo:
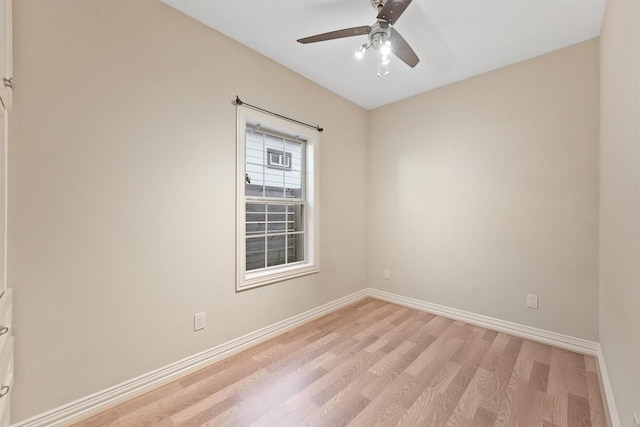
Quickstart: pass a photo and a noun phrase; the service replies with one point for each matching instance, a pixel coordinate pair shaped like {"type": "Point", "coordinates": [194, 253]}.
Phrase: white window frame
{"type": "Point", "coordinates": [248, 117]}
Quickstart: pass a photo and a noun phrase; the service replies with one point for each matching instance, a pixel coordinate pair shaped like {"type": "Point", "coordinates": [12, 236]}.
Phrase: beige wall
{"type": "Point", "coordinates": [122, 178]}
{"type": "Point", "coordinates": [620, 203]}
{"type": "Point", "coordinates": [487, 190]}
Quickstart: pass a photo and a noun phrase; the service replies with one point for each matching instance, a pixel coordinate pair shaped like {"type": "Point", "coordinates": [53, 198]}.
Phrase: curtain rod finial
{"type": "Point", "coordinates": [238, 101]}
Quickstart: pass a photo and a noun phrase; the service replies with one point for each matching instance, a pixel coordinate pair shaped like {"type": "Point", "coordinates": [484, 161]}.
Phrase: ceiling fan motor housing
{"type": "Point", "coordinates": [379, 33]}
{"type": "Point", "coordinates": [378, 4]}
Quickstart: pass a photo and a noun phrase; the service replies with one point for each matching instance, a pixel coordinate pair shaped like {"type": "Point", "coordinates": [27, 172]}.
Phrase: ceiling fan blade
{"type": "Point", "coordinates": [393, 9]}
{"type": "Point", "coordinates": [402, 50]}
{"type": "Point", "coordinates": [338, 34]}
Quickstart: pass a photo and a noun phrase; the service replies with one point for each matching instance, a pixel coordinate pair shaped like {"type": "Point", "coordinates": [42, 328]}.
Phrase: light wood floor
{"type": "Point", "coordinates": [379, 364]}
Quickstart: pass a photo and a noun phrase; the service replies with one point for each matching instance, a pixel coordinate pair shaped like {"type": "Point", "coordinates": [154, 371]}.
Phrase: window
{"type": "Point", "coordinates": [277, 232]}
{"type": "Point", "coordinates": [278, 159]}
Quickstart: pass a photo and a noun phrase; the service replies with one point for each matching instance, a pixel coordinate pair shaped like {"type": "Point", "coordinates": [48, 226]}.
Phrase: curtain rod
{"type": "Point", "coordinates": [238, 101]}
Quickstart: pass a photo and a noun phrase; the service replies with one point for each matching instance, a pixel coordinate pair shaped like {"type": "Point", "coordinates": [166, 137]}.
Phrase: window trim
{"type": "Point", "coordinates": [311, 264]}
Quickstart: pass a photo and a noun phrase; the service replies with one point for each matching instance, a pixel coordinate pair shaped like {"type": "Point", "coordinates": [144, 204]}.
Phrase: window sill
{"type": "Point", "coordinates": [266, 277]}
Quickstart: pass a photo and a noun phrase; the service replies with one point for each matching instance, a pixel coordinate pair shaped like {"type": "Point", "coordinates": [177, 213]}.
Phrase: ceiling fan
{"type": "Point", "coordinates": [382, 36]}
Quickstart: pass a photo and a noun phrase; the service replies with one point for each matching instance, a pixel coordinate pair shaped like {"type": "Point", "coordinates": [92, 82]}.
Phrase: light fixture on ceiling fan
{"type": "Point", "coordinates": [382, 36]}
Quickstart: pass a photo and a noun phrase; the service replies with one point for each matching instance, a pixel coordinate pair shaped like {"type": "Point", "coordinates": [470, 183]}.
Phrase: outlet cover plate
{"type": "Point", "coordinates": [199, 321]}
{"type": "Point", "coordinates": [532, 301]}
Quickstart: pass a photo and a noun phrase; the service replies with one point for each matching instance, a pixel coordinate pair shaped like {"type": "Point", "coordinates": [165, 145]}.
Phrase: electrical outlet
{"type": "Point", "coordinates": [532, 301]}
{"type": "Point", "coordinates": [636, 423]}
{"type": "Point", "coordinates": [199, 321]}
{"type": "Point", "coordinates": [387, 274]}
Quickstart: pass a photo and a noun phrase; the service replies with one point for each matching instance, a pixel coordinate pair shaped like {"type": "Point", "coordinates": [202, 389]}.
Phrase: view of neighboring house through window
{"type": "Point", "coordinates": [275, 202]}
{"type": "Point", "coordinates": [277, 239]}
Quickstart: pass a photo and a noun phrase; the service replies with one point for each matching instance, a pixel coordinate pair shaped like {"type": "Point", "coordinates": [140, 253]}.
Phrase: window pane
{"type": "Point", "coordinates": [276, 250]}
{"type": "Point", "coordinates": [274, 143]}
{"type": "Point", "coordinates": [255, 253]}
{"type": "Point", "coordinates": [293, 184]}
{"type": "Point", "coordinates": [255, 218]}
{"type": "Point", "coordinates": [294, 217]}
{"type": "Point", "coordinates": [295, 150]}
{"type": "Point", "coordinates": [295, 247]}
{"type": "Point", "coordinates": [274, 182]}
{"type": "Point", "coordinates": [276, 225]}
{"type": "Point", "coordinates": [274, 166]}
{"type": "Point", "coordinates": [276, 208]}
{"type": "Point", "coordinates": [254, 180]}
{"type": "Point", "coordinates": [254, 148]}
{"type": "Point", "coordinates": [276, 218]}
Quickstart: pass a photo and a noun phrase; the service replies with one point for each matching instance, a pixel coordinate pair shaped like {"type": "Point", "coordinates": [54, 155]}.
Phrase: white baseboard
{"type": "Point", "coordinates": [104, 399]}
{"type": "Point", "coordinates": [608, 391]}
{"type": "Point", "coordinates": [539, 335]}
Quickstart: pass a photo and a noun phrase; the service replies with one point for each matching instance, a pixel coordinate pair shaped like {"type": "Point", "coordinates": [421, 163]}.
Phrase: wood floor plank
{"type": "Point", "coordinates": [372, 316]}
{"type": "Point", "coordinates": [106, 419]}
{"type": "Point", "coordinates": [428, 376]}
{"type": "Point", "coordinates": [348, 372]}
{"type": "Point", "coordinates": [343, 415]}
{"type": "Point", "coordinates": [470, 400]}
{"type": "Point", "coordinates": [433, 397]}
{"type": "Point", "coordinates": [578, 411]}
{"type": "Point", "coordinates": [303, 400]}
{"type": "Point", "coordinates": [274, 418]}
{"type": "Point", "coordinates": [148, 398]}
{"type": "Point", "coordinates": [378, 326]}
{"type": "Point", "coordinates": [531, 353]}
{"type": "Point", "coordinates": [392, 333]}
{"type": "Point", "coordinates": [408, 329]}
{"type": "Point", "coordinates": [396, 368]}
{"type": "Point", "coordinates": [503, 369]}
{"type": "Point", "coordinates": [263, 400]}
{"type": "Point", "coordinates": [446, 341]}
{"type": "Point", "coordinates": [408, 314]}
{"type": "Point", "coordinates": [437, 326]}
{"type": "Point", "coordinates": [343, 353]}
{"type": "Point", "coordinates": [407, 387]}
{"type": "Point", "coordinates": [595, 400]}
{"type": "Point", "coordinates": [202, 410]}
{"type": "Point", "coordinates": [251, 384]}
{"type": "Point", "coordinates": [540, 376]}
{"type": "Point", "coordinates": [484, 418]}
{"type": "Point", "coordinates": [297, 415]}
{"type": "Point", "coordinates": [374, 363]}
{"type": "Point", "coordinates": [468, 357]}
{"type": "Point", "coordinates": [558, 386]}
{"type": "Point", "coordinates": [342, 407]}
{"type": "Point", "coordinates": [207, 413]}
{"type": "Point", "coordinates": [590, 364]}
{"type": "Point", "coordinates": [415, 415]}
{"type": "Point", "coordinates": [508, 410]}
{"type": "Point", "coordinates": [534, 406]}
{"type": "Point", "coordinates": [383, 364]}
{"type": "Point", "coordinates": [304, 355]}
{"type": "Point", "coordinates": [578, 375]}
{"type": "Point", "coordinates": [187, 397]}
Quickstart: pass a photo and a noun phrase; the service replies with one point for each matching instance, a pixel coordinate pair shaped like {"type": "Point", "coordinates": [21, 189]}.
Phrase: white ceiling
{"type": "Point", "coordinates": [454, 39]}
